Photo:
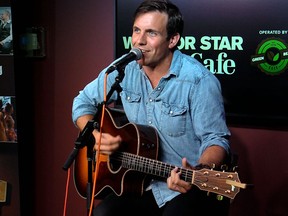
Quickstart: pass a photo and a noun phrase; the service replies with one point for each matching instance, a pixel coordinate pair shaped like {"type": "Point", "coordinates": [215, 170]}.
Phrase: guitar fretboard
{"type": "Point", "coordinates": [205, 179]}
{"type": "Point", "coordinates": [149, 166]}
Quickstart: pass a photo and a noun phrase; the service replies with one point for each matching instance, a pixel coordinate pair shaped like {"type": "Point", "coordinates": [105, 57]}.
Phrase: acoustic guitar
{"type": "Point", "coordinates": [125, 171]}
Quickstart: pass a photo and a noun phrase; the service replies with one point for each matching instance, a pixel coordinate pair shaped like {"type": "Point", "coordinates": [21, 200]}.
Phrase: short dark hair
{"type": "Point", "coordinates": [175, 19]}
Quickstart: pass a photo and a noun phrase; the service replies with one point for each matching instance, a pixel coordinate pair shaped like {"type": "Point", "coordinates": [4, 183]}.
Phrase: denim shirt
{"type": "Point", "coordinates": [186, 108]}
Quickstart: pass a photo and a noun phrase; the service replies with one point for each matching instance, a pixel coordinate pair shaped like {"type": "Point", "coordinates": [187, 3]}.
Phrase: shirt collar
{"type": "Point", "coordinates": [175, 64]}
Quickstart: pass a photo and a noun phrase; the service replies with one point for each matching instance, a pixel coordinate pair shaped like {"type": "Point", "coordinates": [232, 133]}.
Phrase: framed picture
{"type": "Point", "coordinates": [8, 123]}
{"type": "Point", "coordinates": [6, 31]}
{"type": "Point", "coordinates": [244, 43]}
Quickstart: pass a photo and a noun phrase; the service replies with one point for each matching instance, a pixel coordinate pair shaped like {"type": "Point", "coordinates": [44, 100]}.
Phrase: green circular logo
{"type": "Point", "coordinates": [271, 56]}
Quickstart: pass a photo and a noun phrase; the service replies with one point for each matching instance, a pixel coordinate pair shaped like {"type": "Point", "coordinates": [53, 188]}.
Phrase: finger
{"type": "Point", "coordinates": [111, 147]}
{"type": "Point", "coordinates": [175, 175]}
{"type": "Point", "coordinates": [176, 187]}
{"type": "Point", "coordinates": [177, 183]}
{"type": "Point", "coordinates": [185, 164]}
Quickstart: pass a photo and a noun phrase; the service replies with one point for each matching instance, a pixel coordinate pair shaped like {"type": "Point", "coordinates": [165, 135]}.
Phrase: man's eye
{"type": "Point", "coordinates": [153, 34]}
{"type": "Point", "coordinates": [136, 30]}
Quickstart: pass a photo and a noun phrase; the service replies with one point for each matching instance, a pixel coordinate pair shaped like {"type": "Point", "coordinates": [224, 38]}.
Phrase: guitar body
{"type": "Point", "coordinates": [139, 140]}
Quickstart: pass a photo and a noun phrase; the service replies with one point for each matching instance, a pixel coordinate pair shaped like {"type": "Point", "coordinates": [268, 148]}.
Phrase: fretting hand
{"type": "Point", "coordinates": [175, 183]}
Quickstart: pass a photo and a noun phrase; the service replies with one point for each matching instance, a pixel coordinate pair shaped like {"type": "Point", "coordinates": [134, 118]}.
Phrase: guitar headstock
{"type": "Point", "coordinates": [223, 183]}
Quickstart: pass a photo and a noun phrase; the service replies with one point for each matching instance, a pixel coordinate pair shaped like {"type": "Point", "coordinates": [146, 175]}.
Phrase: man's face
{"type": "Point", "coordinates": [150, 35]}
{"type": "Point", "coordinates": [4, 16]}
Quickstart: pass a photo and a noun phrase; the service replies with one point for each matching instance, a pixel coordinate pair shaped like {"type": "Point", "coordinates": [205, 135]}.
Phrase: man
{"type": "Point", "coordinates": [178, 96]}
{"type": "Point", "coordinates": [6, 33]}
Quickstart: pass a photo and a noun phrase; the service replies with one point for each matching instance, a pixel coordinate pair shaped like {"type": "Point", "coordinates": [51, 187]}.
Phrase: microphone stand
{"type": "Point", "coordinates": [87, 139]}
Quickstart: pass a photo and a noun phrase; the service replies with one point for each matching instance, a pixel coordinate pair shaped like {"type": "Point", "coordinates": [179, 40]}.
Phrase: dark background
{"type": "Point", "coordinates": [252, 97]}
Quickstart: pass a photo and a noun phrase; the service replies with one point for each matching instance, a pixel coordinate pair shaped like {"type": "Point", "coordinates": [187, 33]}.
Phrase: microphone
{"type": "Point", "coordinates": [134, 54]}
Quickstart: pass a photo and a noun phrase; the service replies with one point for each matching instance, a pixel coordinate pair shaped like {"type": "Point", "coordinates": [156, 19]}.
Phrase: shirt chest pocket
{"type": "Point", "coordinates": [131, 103]}
{"type": "Point", "coordinates": [173, 119]}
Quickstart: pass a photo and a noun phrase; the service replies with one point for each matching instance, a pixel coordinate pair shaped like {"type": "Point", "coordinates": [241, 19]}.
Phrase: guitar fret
{"type": "Point", "coordinates": [167, 170]}
{"type": "Point", "coordinates": [150, 166]}
{"type": "Point", "coordinates": [143, 164]}
{"type": "Point", "coordinates": [186, 175]}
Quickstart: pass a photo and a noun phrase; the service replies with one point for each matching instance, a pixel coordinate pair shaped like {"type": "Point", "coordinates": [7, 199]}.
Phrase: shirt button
{"type": "Point", "coordinates": [150, 100]}
{"type": "Point", "coordinates": [150, 122]}
{"type": "Point", "coordinates": [128, 98]}
{"type": "Point", "coordinates": [171, 112]}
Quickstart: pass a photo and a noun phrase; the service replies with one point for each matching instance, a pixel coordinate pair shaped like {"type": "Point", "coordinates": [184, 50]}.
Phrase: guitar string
{"type": "Point", "coordinates": [142, 164]}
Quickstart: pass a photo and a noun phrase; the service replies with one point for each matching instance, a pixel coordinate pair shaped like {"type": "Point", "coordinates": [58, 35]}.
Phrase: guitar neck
{"type": "Point", "coordinates": [222, 183]}
{"type": "Point", "coordinates": [150, 166]}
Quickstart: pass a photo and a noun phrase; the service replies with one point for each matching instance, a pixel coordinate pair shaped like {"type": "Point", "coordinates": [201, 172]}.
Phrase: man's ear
{"type": "Point", "coordinates": [174, 40]}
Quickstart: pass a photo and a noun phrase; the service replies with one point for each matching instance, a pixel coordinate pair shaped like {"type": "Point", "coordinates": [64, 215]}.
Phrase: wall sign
{"type": "Point", "coordinates": [244, 43]}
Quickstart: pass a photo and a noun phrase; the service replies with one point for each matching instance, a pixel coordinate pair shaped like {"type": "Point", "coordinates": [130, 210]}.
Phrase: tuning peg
{"type": "Point", "coordinates": [235, 168]}
{"type": "Point", "coordinates": [224, 167]}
